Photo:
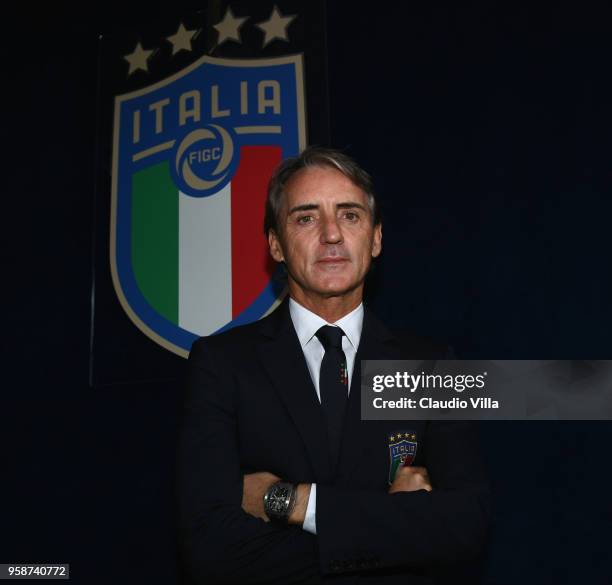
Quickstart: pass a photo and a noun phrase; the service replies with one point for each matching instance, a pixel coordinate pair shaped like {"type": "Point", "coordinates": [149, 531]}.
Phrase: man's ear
{"type": "Point", "coordinates": [276, 249]}
{"type": "Point", "coordinates": [377, 241]}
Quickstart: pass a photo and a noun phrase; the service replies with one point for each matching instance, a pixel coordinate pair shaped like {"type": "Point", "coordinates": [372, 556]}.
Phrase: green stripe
{"type": "Point", "coordinates": [155, 224]}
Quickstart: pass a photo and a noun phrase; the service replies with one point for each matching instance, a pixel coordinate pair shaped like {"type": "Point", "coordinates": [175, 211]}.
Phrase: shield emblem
{"type": "Point", "coordinates": [402, 451]}
{"type": "Point", "coordinates": [192, 156]}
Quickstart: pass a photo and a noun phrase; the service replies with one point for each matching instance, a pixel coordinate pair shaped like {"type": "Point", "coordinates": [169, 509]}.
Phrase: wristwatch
{"type": "Point", "coordinates": [279, 501]}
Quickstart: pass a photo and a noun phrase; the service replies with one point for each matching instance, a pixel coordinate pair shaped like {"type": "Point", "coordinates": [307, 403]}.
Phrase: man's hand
{"type": "Point", "coordinates": [253, 489]}
{"type": "Point", "coordinates": [410, 479]}
{"type": "Point", "coordinates": [256, 485]}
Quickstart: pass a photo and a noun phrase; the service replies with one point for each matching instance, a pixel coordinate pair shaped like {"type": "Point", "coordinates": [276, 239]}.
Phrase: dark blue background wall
{"type": "Point", "coordinates": [488, 129]}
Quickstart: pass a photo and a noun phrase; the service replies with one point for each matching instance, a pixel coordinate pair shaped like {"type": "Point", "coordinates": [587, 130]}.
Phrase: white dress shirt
{"type": "Point", "coordinates": [306, 324]}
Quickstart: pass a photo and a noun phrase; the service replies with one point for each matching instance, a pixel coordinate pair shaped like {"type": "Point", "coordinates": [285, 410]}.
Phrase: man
{"type": "Point", "coordinates": [278, 401]}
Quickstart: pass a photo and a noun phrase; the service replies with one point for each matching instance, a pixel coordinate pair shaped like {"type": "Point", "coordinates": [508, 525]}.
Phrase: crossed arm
{"type": "Point", "coordinates": [255, 485]}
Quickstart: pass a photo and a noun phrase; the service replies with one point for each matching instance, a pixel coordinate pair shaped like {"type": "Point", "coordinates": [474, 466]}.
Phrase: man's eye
{"type": "Point", "coordinates": [351, 216]}
{"type": "Point", "coordinates": [304, 219]}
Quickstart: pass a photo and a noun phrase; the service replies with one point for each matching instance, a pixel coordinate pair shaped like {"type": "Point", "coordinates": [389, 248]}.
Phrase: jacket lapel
{"type": "Point", "coordinates": [282, 357]}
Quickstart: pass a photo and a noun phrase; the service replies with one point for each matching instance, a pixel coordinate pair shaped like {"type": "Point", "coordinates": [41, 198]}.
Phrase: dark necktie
{"type": "Point", "coordinates": [333, 385]}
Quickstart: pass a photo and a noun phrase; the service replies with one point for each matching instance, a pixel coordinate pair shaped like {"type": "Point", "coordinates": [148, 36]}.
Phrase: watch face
{"type": "Point", "coordinates": [278, 501]}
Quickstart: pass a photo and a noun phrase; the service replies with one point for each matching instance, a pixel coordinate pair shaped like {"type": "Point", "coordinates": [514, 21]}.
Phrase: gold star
{"type": "Point", "coordinates": [276, 26]}
{"type": "Point", "coordinates": [138, 59]}
{"type": "Point", "coordinates": [181, 40]}
{"type": "Point", "coordinates": [392, 439]}
{"type": "Point", "coordinates": [229, 27]}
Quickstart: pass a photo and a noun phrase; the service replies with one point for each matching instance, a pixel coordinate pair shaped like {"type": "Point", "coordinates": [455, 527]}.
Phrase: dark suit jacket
{"type": "Point", "coordinates": [251, 406]}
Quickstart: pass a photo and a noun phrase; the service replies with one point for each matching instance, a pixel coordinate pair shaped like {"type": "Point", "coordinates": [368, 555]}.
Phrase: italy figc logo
{"type": "Point", "coordinates": [192, 156]}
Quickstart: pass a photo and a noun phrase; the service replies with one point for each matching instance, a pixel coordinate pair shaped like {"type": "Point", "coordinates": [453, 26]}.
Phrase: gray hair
{"type": "Point", "coordinates": [316, 156]}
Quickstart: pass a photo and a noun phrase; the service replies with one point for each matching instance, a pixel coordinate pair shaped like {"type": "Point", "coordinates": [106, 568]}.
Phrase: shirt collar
{"type": "Point", "coordinates": [307, 323]}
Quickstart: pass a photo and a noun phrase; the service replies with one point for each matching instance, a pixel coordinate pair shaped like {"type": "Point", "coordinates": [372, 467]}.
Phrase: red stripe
{"type": "Point", "coordinates": [252, 265]}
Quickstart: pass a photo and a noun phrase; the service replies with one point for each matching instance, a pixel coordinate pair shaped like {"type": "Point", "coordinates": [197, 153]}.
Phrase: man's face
{"type": "Point", "coordinates": [326, 237]}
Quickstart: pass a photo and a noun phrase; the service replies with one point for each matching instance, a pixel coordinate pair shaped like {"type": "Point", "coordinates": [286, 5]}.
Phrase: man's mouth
{"type": "Point", "coordinates": [332, 260]}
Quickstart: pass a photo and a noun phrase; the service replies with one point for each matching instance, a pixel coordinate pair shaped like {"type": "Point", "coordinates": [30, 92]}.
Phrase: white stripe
{"type": "Point", "coordinates": [205, 262]}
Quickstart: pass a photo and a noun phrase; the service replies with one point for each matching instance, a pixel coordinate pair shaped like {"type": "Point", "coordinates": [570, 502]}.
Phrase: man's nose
{"type": "Point", "coordinates": [330, 231]}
